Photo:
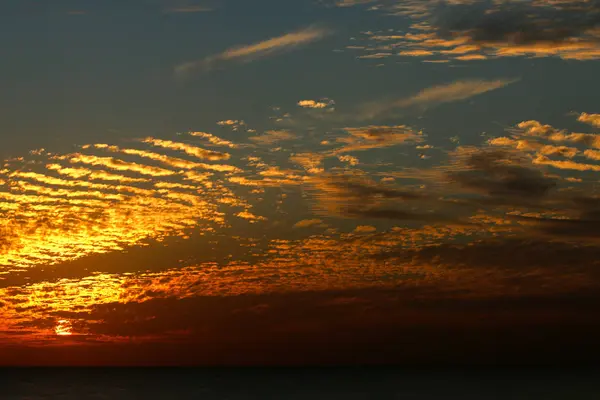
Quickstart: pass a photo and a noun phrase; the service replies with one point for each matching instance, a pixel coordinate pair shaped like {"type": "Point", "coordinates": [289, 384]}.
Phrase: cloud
{"type": "Point", "coordinates": [306, 223]}
{"type": "Point", "coordinates": [311, 162]}
{"type": "Point", "coordinates": [566, 164]}
{"type": "Point", "coordinates": [255, 51]}
{"type": "Point", "coordinates": [249, 216]}
{"type": "Point", "coordinates": [592, 119]}
{"type": "Point", "coordinates": [365, 229]}
{"type": "Point", "coordinates": [167, 160]}
{"type": "Point", "coordinates": [55, 213]}
{"type": "Point", "coordinates": [415, 53]}
{"type": "Point", "coordinates": [502, 174]}
{"type": "Point", "coordinates": [455, 91]}
{"type": "Point", "coordinates": [188, 149]}
{"type": "Point", "coordinates": [375, 137]}
{"type": "Point", "coordinates": [230, 122]}
{"type": "Point", "coordinates": [355, 196]}
{"type": "Point", "coordinates": [466, 30]}
{"type": "Point", "coordinates": [214, 140]}
{"type": "Point", "coordinates": [375, 56]}
{"type": "Point", "coordinates": [537, 129]}
{"type": "Point", "coordinates": [316, 104]}
{"type": "Point", "coordinates": [234, 124]}
{"type": "Point", "coordinates": [272, 137]}
{"type": "Point", "coordinates": [120, 165]}
{"type": "Point", "coordinates": [353, 161]}
{"type": "Point", "coordinates": [91, 174]}
{"type": "Point", "coordinates": [517, 22]}
{"type": "Point", "coordinates": [351, 3]}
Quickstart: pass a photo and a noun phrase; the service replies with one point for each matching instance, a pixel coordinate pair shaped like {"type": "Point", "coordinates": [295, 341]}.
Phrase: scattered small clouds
{"type": "Point", "coordinates": [249, 216]}
{"type": "Point", "coordinates": [353, 161]}
{"type": "Point", "coordinates": [468, 30]}
{"type": "Point", "coordinates": [254, 51]}
{"type": "Point", "coordinates": [234, 124]}
{"type": "Point", "coordinates": [321, 104]}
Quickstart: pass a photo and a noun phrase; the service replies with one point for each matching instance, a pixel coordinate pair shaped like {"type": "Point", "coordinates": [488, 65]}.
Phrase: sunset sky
{"type": "Point", "coordinates": [299, 181]}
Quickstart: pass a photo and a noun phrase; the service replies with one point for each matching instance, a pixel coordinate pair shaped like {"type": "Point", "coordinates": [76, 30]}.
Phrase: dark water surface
{"type": "Point", "coordinates": [314, 384]}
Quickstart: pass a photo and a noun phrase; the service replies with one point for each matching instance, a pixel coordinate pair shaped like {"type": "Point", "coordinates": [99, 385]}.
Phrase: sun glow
{"type": "Point", "coordinates": [63, 328]}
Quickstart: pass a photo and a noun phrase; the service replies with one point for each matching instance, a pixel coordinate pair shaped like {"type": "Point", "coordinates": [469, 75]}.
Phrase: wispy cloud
{"type": "Point", "coordinates": [254, 51]}
{"type": "Point", "coordinates": [350, 3]}
{"type": "Point", "coordinates": [455, 91]}
{"type": "Point", "coordinates": [272, 137]}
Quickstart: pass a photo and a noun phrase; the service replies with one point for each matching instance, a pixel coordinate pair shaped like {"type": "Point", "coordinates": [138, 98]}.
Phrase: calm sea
{"type": "Point", "coordinates": [289, 384]}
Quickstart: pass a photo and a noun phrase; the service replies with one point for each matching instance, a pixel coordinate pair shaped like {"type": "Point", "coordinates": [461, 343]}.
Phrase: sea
{"type": "Point", "coordinates": [294, 383]}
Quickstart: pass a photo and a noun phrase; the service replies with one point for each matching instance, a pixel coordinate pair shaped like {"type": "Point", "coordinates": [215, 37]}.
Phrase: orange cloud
{"type": "Point", "coordinates": [254, 51]}
{"type": "Point", "coordinates": [306, 223]}
{"type": "Point", "coordinates": [592, 119]}
{"type": "Point", "coordinates": [188, 149]}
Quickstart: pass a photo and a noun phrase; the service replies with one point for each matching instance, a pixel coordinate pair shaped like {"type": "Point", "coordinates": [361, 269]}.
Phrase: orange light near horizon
{"type": "Point", "coordinates": [63, 328]}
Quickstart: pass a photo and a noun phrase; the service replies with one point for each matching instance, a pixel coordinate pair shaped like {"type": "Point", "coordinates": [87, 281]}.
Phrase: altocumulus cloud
{"type": "Point", "coordinates": [254, 51]}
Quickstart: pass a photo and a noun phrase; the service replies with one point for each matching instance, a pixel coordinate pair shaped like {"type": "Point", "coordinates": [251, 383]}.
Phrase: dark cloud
{"type": "Point", "coordinates": [499, 173]}
{"type": "Point", "coordinates": [518, 22]}
{"type": "Point", "coordinates": [364, 188]}
{"type": "Point", "coordinates": [584, 225]}
{"type": "Point", "coordinates": [574, 229]}
{"type": "Point", "coordinates": [357, 196]}
{"type": "Point", "coordinates": [393, 214]}
{"type": "Point", "coordinates": [510, 254]}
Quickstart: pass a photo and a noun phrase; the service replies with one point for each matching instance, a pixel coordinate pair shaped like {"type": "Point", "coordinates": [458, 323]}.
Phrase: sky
{"type": "Point", "coordinates": [302, 182]}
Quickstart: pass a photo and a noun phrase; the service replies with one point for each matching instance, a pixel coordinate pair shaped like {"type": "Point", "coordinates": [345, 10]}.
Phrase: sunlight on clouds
{"type": "Point", "coordinates": [63, 328]}
{"type": "Point", "coordinates": [365, 229]}
{"type": "Point", "coordinates": [305, 223]}
{"type": "Point", "coordinates": [49, 219]}
{"type": "Point", "coordinates": [396, 234]}
{"type": "Point", "coordinates": [592, 119]}
{"type": "Point", "coordinates": [188, 149]}
{"type": "Point", "coordinates": [467, 30]}
{"type": "Point", "coordinates": [254, 51]}
{"type": "Point", "coordinates": [325, 103]}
